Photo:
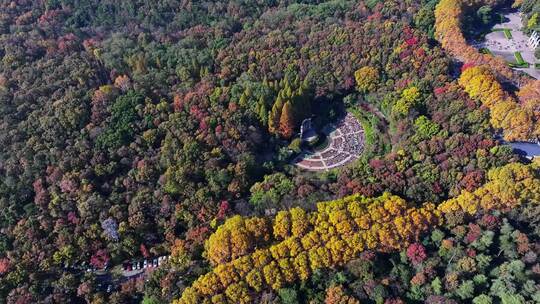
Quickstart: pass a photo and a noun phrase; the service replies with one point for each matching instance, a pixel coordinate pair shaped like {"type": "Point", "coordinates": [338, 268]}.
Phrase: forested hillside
{"type": "Point", "coordinates": [132, 130]}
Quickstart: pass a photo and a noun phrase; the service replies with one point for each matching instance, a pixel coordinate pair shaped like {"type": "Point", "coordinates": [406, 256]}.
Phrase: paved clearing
{"type": "Point", "coordinates": [529, 150]}
{"type": "Point", "coordinates": [499, 45]}
{"type": "Point", "coordinates": [346, 142]}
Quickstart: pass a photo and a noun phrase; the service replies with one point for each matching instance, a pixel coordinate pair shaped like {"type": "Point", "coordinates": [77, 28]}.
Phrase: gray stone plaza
{"type": "Point", "coordinates": [500, 45]}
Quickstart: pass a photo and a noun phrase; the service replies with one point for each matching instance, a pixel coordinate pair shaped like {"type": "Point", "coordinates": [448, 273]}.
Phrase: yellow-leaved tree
{"type": "Point", "coordinates": [338, 231]}
{"type": "Point", "coordinates": [236, 237]}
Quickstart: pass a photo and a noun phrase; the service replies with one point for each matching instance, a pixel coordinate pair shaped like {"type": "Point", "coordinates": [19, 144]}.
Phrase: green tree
{"type": "Point", "coordinates": [482, 299]}
{"type": "Point", "coordinates": [275, 116]}
{"type": "Point", "coordinates": [367, 79]}
{"type": "Point", "coordinates": [425, 19]}
{"type": "Point", "coordinates": [425, 128]}
{"type": "Point", "coordinates": [410, 98]}
{"type": "Point", "coordinates": [150, 300]}
{"type": "Point", "coordinates": [508, 298]}
{"type": "Point", "coordinates": [288, 296]}
{"type": "Point", "coordinates": [485, 14]}
{"type": "Point", "coordinates": [466, 290]}
{"type": "Point", "coordinates": [121, 126]}
{"type": "Point", "coordinates": [533, 21]}
{"type": "Point", "coordinates": [271, 190]}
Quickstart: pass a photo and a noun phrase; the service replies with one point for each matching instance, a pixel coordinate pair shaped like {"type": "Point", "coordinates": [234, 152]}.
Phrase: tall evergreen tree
{"type": "Point", "coordinates": [274, 116]}
{"type": "Point", "coordinates": [286, 121]}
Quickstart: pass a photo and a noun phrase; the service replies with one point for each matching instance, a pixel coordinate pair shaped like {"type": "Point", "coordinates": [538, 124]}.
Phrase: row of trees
{"type": "Point", "coordinates": [292, 105]}
{"type": "Point", "coordinates": [448, 17]}
{"type": "Point", "coordinates": [489, 259]}
{"type": "Point", "coordinates": [507, 187]}
{"type": "Point", "coordinates": [517, 121]}
{"type": "Point", "coordinates": [404, 85]}
{"type": "Point", "coordinates": [340, 230]}
{"type": "Point", "coordinates": [239, 236]}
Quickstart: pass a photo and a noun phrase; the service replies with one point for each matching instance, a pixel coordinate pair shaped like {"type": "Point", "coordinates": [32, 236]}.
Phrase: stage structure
{"type": "Point", "coordinates": [307, 133]}
{"type": "Point", "coordinates": [534, 40]}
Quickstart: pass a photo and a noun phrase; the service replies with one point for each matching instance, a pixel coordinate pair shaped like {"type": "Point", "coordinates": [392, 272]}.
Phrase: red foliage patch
{"type": "Point", "coordinates": [416, 253]}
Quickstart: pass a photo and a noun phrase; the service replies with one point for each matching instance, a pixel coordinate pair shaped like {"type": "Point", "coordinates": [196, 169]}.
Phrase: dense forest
{"type": "Point", "coordinates": [132, 130]}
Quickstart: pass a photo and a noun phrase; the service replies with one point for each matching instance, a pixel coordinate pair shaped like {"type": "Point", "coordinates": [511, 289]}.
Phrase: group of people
{"type": "Point", "coordinates": [338, 159]}
{"type": "Point", "coordinates": [506, 47]}
{"type": "Point", "coordinates": [346, 143]}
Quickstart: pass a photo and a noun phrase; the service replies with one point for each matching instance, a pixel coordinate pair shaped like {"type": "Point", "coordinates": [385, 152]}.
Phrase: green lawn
{"type": "Point", "coordinates": [520, 62]}
{"type": "Point", "coordinates": [519, 58]}
{"type": "Point", "coordinates": [486, 51]}
{"type": "Point", "coordinates": [507, 32]}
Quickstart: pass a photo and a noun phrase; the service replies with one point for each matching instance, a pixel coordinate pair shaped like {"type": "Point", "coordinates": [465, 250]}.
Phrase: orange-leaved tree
{"type": "Point", "coordinates": [286, 121]}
